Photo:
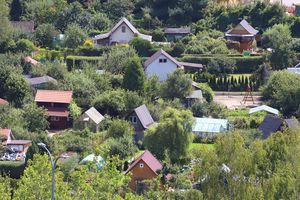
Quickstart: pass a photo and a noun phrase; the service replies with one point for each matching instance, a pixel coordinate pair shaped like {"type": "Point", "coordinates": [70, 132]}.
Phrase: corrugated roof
{"type": "Point", "coordinates": [264, 108]}
{"type": "Point", "coordinates": [144, 116]}
{"type": "Point", "coordinates": [57, 112]}
{"type": "Point", "coordinates": [181, 30]}
{"type": "Point", "coordinates": [53, 96]}
{"type": "Point", "coordinates": [132, 28]}
{"type": "Point", "coordinates": [40, 80]}
{"type": "Point", "coordinates": [251, 31]}
{"type": "Point", "coordinates": [26, 26]}
{"type": "Point", "coordinates": [270, 125]}
{"type": "Point", "coordinates": [3, 102]}
{"type": "Point", "coordinates": [210, 125]}
{"type": "Point", "coordinates": [195, 94]}
{"type": "Point", "coordinates": [149, 159]}
{"type": "Point", "coordinates": [94, 115]}
{"type": "Point", "coordinates": [292, 123]}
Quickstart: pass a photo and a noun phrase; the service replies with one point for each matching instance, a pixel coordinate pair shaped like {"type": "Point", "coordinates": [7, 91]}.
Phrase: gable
{"type": "Point", "coordinates": [239, 29]}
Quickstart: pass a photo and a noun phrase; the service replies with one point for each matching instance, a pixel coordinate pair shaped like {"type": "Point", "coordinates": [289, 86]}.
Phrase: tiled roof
{"type": "Point", "coordinates": [53, 96]}
{"type": "Point", "coordinates": [264, 108]}
{"type": "Point", "coordinates": [270, 125]}
{"type": "Point", "coordinates": [210, 125]}
{"type": "Point", "coordinates": [57, 112]}
{"type": "Point", "coordinates": [3, 102]}
{"type": "Point", "coordinates": [26, 26]}
{"type": "Point", "coordinates": [149, 159]}
{"type": "Point", "coordinates": [40, 80]}
{"type": "Point", "coordinates": [181, 30]}
{"type": "Point", "coordinates": [132, 28]}
{"type": "Point", "coordinates": [94, 115]}
{"type": "Point", "coordinates": [144, 116]}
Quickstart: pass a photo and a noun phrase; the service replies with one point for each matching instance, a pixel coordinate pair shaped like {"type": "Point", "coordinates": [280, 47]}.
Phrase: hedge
{"type": "Point", "coordinates": [14, 169]}
{"type": "Point", "coordinates": [243, 64]}
{"type": "Point", "coordinates": [76, 62]}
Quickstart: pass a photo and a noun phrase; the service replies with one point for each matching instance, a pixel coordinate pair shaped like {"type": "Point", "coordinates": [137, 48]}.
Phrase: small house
{"type": "Point", "coordinates": [243, 33]}
{"type": "Point", "coordinates": [143, 168]}
{"type": "Point", "coordinates": [141, 119]}
{"type": "Point", "coordinates": [174, 34]}
{"type": "Point", "coordinates": [161, 64]}
{"type": "Point", "coordinates": [91, 119]}
{"type": "Point", "coordinates": [40, 82]}
{"type": "Point", "coordinates": [122, 33]}
{"type": "Point", "coordinates": [209, 127]}
{"type": "Point", "coordinates": [56, 103]}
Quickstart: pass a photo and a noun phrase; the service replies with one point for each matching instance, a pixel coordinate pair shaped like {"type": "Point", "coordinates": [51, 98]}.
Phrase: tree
{"type": "Point", "coordinates": [35, 117]}
{"type": "Point", "coordinates": [172, 136]}
{"type": "Point", "coordinates": [178, 85]}
{"type": "Point", "coordinates": [5, 29]}
{"type": "Point", "coordinates": [5, 188]}
{"type": "Point", "coordinates": [74, 36]}
{"type": "Point", "coordinates": [45, 34]}
{"type": "Point", "coordinates": [279, 39]}
{"type": "Point", "coordinates": [141, 46]}
{"type": "Point", "coordinates": [116, 59]}
{"type": "Point", "coordinates": [118, 8]}
{"type": "Point", "coordinates": [119, 128]}
{"type": "Point", "coordinates": [24, 46]}
{"type": "Point", "coordinates": [101, 22]}
{"type": "Point", "coordinates": [75, 111]}
{"type": "Point", "coordinates": [123, 147]}
{"type": "Point", "coordinates": [36, 181]}
{"type": "Point", "coordinates": [134, 77]}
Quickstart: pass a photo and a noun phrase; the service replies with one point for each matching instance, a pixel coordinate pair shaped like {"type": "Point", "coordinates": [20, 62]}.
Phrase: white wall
{"type": "Point", "coordinates": [121, 37]}
{"type": "Point", "coordinates": [161, 69]}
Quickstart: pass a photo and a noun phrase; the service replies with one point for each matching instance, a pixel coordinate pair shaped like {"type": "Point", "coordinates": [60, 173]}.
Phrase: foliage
{"type": "Point", "coordinates": [4, 21]}
{"type": "Point", "coordinates": [44, 34]}
{"type": "Point", "coordinates": [35, 117]}
{"type": "Point", "coordinates": [74, 36]}
{"type": "Point", "coordinates": [25, 46]}
{"type": "Point", "coordinates": [77, 62]}
{"type": "Point", "coordinates": [207, 92]}
{"type": "Point", "coordinates": [205, 109]}
{"type": "Point", "coordinates": [11, 169]}
{"type": "Point", "coordinates": [119, 128]}
{"type": "Point", "coordinates": [141, 46]}
{"type": "Point", "coordinates": [172, 136]}
{"type": "Point", "coordinates": [75, 111]}
{"type": "Point", "coordinates": [281, 93]}
{"type": "Point", "coordinates": [36, 181]}
{"type": "Point", "coordinates": [279, 39]}
{"type": "Point", "coordinates": [295, 27]}
{"type": "Point", "coordinates": [221, 65]}
{"type": "Point", "coordinates": [115, 60]}
{"type": "Point", "coordinates": [178, 85]}
{"type": "Point", "coordinates": [123, 147]}
{"type": "Point", "coordinates": [5, 188]}
{"type": "Point", "coordinates": [134, 76]}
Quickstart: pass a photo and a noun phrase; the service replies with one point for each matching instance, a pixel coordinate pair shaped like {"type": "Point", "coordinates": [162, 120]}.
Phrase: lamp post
{"type": "Point", "coordinates": [53, 165]}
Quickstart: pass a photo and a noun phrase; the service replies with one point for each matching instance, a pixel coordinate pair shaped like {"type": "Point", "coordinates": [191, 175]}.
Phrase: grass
{"type": "Point", "coordinates": [201, 146]}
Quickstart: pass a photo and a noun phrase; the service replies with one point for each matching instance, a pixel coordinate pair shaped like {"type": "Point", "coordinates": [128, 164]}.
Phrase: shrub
{"type": "Point", "coordinates": [76, 62]}
{"type": "Point", "coordinates": [141, 46]}
{"type": "Point", "coordinates": [24, 45]}
{"type": "Point", "coordinates": [12, 168]}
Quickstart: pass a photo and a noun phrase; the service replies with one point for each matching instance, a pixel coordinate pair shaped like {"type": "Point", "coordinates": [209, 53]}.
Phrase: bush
{"type": "Point", "coordinates": [76, 62]}
{"type": "Point", "coordinates": [92, 51]}
{"type": "Point", "coordinates": [13, 169]}
{"type": "Point", "coordinates": [141, 46]}
{"type": "Point", "coordinates": [24, 45]}
{"type": "Point", "coordinates": [243, 64]}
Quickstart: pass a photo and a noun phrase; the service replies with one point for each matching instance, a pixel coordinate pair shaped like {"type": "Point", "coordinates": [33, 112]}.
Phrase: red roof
{"type": "Point", "coordinates": [149, 159]}
{"type": "Point", "coordinates": [53, 96]}
{"type": "Point", "coordinates": [57, 112]}
{"type": "Point", "coordinates": [3, 102]}
{"type": "Point", "coordinates": [5, 132]}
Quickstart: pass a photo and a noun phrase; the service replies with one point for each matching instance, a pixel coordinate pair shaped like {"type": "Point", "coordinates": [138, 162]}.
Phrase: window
{"type": "Point", "coordinates": [54, 119]}
{"type": "Point", "coordinates": [133, 119]}
{"type": "Point", "coordinates": [123, 29]}
{"type": "Point", "coordinates": [162, 60]}
{"type": "Point", "coordinates": [141, 165]}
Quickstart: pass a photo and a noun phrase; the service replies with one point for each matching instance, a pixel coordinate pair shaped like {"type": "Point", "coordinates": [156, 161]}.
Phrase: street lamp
{"type": "Point", "coordinates": [53, 165]}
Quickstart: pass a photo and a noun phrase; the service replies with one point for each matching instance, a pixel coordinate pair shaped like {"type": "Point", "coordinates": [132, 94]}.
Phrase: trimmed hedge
{"type": "Point", "coordinates": [76, 62]}
{"type": "Point", "coordinates": [243, 64]}
{"type": "Point", "coordinates": [14, 169]}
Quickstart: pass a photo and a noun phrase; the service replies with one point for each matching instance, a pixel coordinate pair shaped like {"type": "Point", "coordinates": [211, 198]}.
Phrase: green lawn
{"type": "Point", "coordinates": [200, 146]}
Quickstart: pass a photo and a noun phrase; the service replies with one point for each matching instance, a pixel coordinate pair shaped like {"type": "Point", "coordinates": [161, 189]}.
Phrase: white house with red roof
{"type": "Point", "coordinates": [145, 167]}
{"type": "Point", "coordinates": [56, 102]}
{"type": "Point", "coordinates": [122, 33]}
{"type": "Point", "coordinates": [161, 64]}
